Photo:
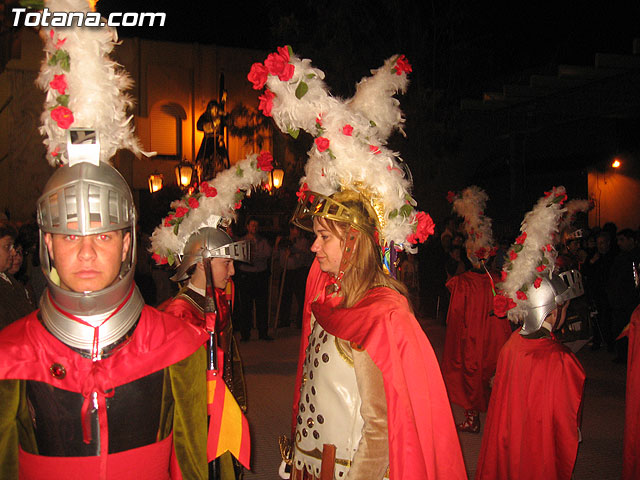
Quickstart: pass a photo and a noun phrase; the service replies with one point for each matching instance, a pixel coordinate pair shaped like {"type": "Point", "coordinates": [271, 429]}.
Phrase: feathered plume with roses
{"type": "Point", "coordinates": [349, 149]}
{"type": "Point", "coordinates": [470, 205]}
{"type": "Point", "coordinates": [215, 202]}
{"type": "Point", "coordinates": [84, 87]}
{"type": "Point", "coordinates": [531, 256]}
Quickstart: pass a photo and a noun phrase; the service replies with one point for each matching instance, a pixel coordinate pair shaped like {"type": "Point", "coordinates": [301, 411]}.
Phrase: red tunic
{"type": "Point", "coordinates": [532, 426]}
{"type": "Point", "coordinates": [631, 456]}
{"type": "Point", "coordinates": [473, 341]}
{"type": "Point", "coordinates": [423, 443]}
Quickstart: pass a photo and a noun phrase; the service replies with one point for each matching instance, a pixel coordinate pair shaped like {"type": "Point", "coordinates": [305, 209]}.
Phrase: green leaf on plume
{"type": "Point", "coordinates": [64, 61]}
{"type": "Point", "coordinates": [34, 4]}
{"type": "Point", "coordinates": [406, 210]}
{"type": "Point", "coordinates": [517, 247]}
{"type": "Point", "coordinates": [176, 227]}
{"type": "Point", "coordinates": [510, 267]}
{"type": "Point", "coordinates": [294, 132]}
{"type": "Point", "coordinates": [372, 123]}
{"type": "Point", "coordinates": [239, 196]}
{"type": "Point", "coordinates": [557, 199]}
{"type": "Point", "coordinates": [393, 214]}
{"type": "Point", "coordinates": [524, 288]}
{"type": "Point", "coordinates": [310, 75]}
{"type": "Point", "coordinates": [290, 50]}
{"type": "Point", "coordinates": [301, 90]}
{"type": "Point", "coordinates": [411, 200]}
{"type": "Point", "coordinates": [171, 259]}
{"type": "Point", "coordinates": [331, 155]}
{"type": "Point", "coordinates": [63, 100]}
{"type": "Point", "coordinates": [545, 260]}
{"type": "Point", "coordinates": [239, 172]}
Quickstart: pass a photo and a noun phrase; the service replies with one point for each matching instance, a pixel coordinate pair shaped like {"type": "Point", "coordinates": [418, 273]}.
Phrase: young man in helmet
{"type": "Point", "coordinates": [532, 426]}
{"type": "Point", "coordinates": [96, 384]}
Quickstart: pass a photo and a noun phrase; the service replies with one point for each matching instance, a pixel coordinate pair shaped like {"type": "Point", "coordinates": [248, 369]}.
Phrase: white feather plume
{"type": "Point", "coordinates": [534, 252]}
{"type": "Point", "coordinates": [96, 86]}
{"type": "Point", "coordinates": [169, 238]}
{"type": "Point", "coordinates": [470, 205]}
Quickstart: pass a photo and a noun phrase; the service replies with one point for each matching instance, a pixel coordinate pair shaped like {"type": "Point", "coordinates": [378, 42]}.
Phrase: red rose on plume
{"type": "Point", "coordinates": [451, 196]}
{"type": "Point", "coordinates": [181, 212]}
{"type": "Point", "coordinates": [59, 83]}
{"type": "Point", "coordinates": [319, 120]}
{"type": "Point", "coordinates": [62, 116]}
{"type": "Point", "coordinates": [548, 247]}
{"type": "Point", "coordinates": [258, 75]}
{"type": "Point", "coordinates": [278, 64]}
{"type": "Point", "coordinates": [541, 268]}
{"type": "Point", "coordinates": [266, 102]}
{"type": "Point", "coordinates": [265, 161]}
{"type": "Point", "coordinates": [493, 252]}
{"type": "Point", "coordinates": [520, 240]}
{"type": "Point", "coordinates": [512, 255]}
{"type": "Point", "coordinates": [301, 193]}
{"type": "Point", "coordinates": [374, 149]}
{"type": "Point", "coordinates": [537, 282]}
{"type": "Point", "coordinates": [322, 143]}
{"type": "Point", "coordinates": [167, 221]}
{"type": "Point", "coordinates": [402, 65]}
{"type": "Point", "coordinates": [193, 202]}
{"type": "Point", "coordinates": [237, 205]}
{"type": "Point", "coordinates": [521, 295]}
{"type": "Point", "coordinates": [503, 276]}
{"type": "Point", "coordinates": [481, 253]}
{"type": "Point", "coordinates": [501, 305]}
{"type": "Point", "coordinates": [159, 259]}
{"type": "Point", "coordinates": [208, 190]}
{"type": "Point", "coordinates": [347, 130]}
{"type": "Point", "coordinates": [424, 228]}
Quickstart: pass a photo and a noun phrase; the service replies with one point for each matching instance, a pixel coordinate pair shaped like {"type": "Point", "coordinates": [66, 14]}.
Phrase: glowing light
{"type": "Point", "coordinates": [616, 163]}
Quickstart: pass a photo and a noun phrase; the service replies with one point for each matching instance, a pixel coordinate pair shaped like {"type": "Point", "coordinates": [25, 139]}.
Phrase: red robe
{"type": "Point", "coordinates": [631, 455]}
{"type": "Point", "coordinates": [531, 430]}
{"type": "Point", "coordinates": [423, 442]}
{"type": "Point", "coordinates": [28, 351]}
{"type": "Point", "coordinates": [473, 341]}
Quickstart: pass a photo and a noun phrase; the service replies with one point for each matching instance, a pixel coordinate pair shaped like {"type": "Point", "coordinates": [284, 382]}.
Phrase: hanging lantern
{"type": "Point", "coordinates": [276, 178]}
{"type": "Point", "coordinates": [155, 182]}
{"type": "Point", "coordinates": [184, 171]}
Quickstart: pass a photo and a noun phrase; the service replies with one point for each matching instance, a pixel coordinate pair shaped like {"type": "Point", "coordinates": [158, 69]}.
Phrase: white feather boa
{"type": "Point", "coordinates": [95, 86]}
{"type": "Point", "coordinates": [470, 205]}
{"type": "Point", "coordinates": [216, 200]}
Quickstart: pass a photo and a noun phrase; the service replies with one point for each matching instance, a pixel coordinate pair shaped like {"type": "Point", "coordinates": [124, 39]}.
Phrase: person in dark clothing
{"type": "Point", "coordinates": [14, 301]}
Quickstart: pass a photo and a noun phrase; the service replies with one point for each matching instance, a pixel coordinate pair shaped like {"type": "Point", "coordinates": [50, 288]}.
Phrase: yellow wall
{"type": "Point", "coordinates": [617, 199]}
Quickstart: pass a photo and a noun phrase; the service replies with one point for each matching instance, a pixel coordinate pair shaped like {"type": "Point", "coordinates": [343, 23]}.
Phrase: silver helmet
{"type": "Point", "coordinates": [551, 293]}
{"type": "Point", "coordinates": [209, 242]}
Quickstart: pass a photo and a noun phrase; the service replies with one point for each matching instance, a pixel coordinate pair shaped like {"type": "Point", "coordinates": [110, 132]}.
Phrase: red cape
{"type": "Point", "coordinates": [473, 341]}
{"type": "Point", "coordinates": [27, 351]}
{"type": "Point", "coordinates": [631, 455]}
{"type": "Point", "coordinates": [184, 308]}
{"type": "Point", "coordinates": [532, 426]}
{"type": "Point", "coordinates": [423, 443]}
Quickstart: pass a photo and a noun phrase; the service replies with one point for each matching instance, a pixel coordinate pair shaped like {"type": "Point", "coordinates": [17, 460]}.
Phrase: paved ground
{"type": "Point", "coordinates": [270, 370]}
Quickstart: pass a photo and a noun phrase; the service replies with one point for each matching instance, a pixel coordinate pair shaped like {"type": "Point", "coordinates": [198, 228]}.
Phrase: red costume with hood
{"type": "Point", "coordinates": [423, 443]}
{"type": "Point", "coordinates": [532, 426]}
{"type": "Point", "coordinates": [473, 340]}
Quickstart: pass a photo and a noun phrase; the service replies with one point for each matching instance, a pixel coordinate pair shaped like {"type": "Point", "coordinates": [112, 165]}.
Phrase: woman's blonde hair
{"type": "Point", "coordinates": [364, 269]}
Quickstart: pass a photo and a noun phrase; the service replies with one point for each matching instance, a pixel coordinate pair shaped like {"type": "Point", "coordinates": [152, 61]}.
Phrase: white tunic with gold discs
{"type": "Point", "coordinates": [330, 403]}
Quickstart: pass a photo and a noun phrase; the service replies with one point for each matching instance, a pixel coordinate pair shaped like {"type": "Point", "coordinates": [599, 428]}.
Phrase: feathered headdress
{"type": "Point", "coordinates": [349, 151]}
{"type": "Point", "coordinates": [470, 205]}
{"type": "Point", "coordinates": [214, 204]}
{"type": "Point", "coordinates": [84, 87]}
{"type": "Point", "coordinates": [531, 256]}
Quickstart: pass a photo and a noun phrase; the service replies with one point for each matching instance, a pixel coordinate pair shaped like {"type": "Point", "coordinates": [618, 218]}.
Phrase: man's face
{"type": "Point", "coordinates": [602, 244]}
{"type": "Point", "coordinates": [252, 227]}
{"type": "Point", "coordinates": [222, 271]}
{"type": "Point", "coordinates": [625, 243]}
{"type": "Point", "coordinates": [6, 253]}
{"type": "Point", "coordinates": [16, 261]}
{"type": "Point", "coordinates": [89, 263]}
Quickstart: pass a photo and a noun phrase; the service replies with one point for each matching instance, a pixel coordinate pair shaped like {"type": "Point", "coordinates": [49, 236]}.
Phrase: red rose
{"type": "Point", "coordinates": [424, 228]}
{"type": "Point", "coordinates": [374, 149]}
{"type": "Point", "coordinates": [481, 253]}
{"type": "Point", "coordinates": [266, 102]}
{"type": "Point", "coordinates": [493, 252]}
{"type": "Point", "coordinates": [59, 83]}
{"type": "Point", "coordinates": [503, 276]}
{"type": "Point", "coordinates": [302, 192]}
{"type": "Point", "coordinates": [62, 116]}
{"type": "Point", "coordinates": [512, 255]}
{"type": "Point", "coordinates": [208, 190]}
{"type": "Point", "coordinates": [347, 130]}
{"type": "Point", "coordinates": [181, 212]}
{"type": "Point", "coordinates": [319, 120]}
{"type": "Point", "coordinates": [265, 161]}
{"type": "Point", "coordinates": [541, 268]}
{"type": "Point", "coordinates": [322, 143]}
{"type": "Point", "coordinates": [521, 295]}
{"type": "Point", "coordinates": [278, 64]}
{"type": "Point", "coordinates": [159, 259]}
{"type": "Point", "coordinates": [537, 282]}
{"type": "Point", "coordinates": [237, 205]}
{"type": "Point", "coordinates": [402, 65]}
{"type": "Point", "coordinates": [501, 305]}
{"type": "Point", "coordinates": [193, 202]}
{"type": "Point", "coordinates": [258, 75]}
{"type": "Point", "coordinates": [167, 221]}
{"type": "Point", "coordinates": [451, 196]}
{"type": "Point", "coordinates": [520, 240]}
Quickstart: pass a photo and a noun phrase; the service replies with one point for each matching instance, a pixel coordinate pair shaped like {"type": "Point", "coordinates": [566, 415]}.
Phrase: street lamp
{"type": "Point", "coordinates": [184, 171]}
{"type": "Point", "coordinates": [616, 163]}
{"type": "Point", "coordinates": [155, 182]}
{"type": "Point", "coordinates": [276, 177]}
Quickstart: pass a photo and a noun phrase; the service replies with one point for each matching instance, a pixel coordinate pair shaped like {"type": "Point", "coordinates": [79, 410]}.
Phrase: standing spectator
{"type": "Point", "coordinates": [253, 285]}
{"type": "Point", "coordinates": [14, 301]}
{"type": "Point", "coordinates": [631, 455]}
{"type": "Point", "coordinates": [622, 289]}
{"type": "Point", "coordinates": [295, 257]}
